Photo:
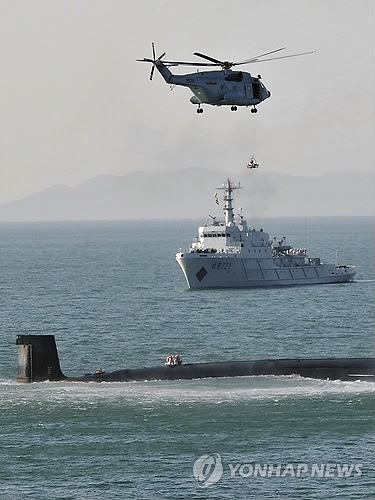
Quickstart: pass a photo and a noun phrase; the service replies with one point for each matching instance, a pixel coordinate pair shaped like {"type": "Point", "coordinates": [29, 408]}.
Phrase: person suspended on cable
{"type": "Point", "coordinates": [252, 163]}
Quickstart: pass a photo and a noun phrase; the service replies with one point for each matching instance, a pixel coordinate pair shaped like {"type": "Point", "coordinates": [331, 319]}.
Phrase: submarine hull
{"type": "Point", "coordinates": [335, 368]}
{"type": "Point", "coordinates": [38, 361]}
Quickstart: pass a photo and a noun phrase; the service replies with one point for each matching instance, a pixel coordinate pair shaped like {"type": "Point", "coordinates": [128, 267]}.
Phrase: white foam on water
{"type": "Point", "coordinates": [223, 390]}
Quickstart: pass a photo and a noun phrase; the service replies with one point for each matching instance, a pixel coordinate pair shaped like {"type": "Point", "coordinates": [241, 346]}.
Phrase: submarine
{"type": "Point", "coordinates": [38, 361]}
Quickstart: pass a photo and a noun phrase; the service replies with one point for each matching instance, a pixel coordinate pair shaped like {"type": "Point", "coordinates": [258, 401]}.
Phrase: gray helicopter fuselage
{"type": "Point", "coordinates": [219, 88]}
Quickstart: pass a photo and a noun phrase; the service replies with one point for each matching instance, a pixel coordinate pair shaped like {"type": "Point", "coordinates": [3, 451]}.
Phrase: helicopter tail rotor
{"type": "Point", "coordinates": [153, 61]}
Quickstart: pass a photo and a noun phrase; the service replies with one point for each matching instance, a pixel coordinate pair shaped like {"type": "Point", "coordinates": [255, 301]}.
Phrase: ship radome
{"type": "Point", "coordinates": [229, 254]}
{"type": "Point", "coordinates": [38, 361]}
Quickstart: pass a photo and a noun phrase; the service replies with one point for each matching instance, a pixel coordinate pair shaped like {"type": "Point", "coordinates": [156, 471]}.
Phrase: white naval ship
{"type": "Point", "coordinates": [229, 254]}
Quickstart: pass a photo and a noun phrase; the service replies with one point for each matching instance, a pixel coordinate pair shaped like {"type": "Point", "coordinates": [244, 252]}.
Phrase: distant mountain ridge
{"type": "Point", "coordinates": [189, 194]}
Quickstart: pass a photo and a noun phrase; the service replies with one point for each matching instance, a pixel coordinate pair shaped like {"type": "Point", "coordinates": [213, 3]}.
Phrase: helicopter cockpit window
{"type": "Point", "coordinates": [235, 76]}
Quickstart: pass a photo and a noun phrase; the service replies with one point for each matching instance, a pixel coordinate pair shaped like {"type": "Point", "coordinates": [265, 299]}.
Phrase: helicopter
{"type": "Point", "coordinates": [223, 87]}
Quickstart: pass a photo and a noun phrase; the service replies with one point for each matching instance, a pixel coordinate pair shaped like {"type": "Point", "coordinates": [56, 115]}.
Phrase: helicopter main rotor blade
{"type": "Point", "coordinates": [212, 59]}
{"type": "Point", "coordinates": [185, 63]}
{"type": "Point", "coordinates": [255, 58]}
{"type": "Point", "coordinates": [225, 65]}
{"type": "Point", "coordinates": [175, 63]}
{"type": "Point", "coordinates": [281, 57]}
{"type": "Point", "coordinates": [228, 64]}
{"type": "Point", "coordinates": [152, 61]}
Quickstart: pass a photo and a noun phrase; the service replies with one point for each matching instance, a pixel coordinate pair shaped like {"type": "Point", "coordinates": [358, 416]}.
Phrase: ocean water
{"type": "Point", "coordinates": [114, 297]}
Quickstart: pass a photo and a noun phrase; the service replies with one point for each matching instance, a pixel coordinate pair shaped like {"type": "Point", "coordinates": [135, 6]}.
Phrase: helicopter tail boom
{"type": "Point", "coordinates": [164, 71]}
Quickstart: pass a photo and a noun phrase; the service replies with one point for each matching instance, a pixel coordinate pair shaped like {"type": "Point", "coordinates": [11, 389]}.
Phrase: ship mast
{"type": "Point", "coordinates": [229, 187]}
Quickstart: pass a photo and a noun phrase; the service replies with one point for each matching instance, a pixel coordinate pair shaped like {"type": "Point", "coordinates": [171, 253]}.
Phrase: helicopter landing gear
{"type": "Point", "coordinates": [233, 108]}
{"type": "Point", "coordinates": [254, 110]}
{"type": "Point", "coordinates": [199, 110]}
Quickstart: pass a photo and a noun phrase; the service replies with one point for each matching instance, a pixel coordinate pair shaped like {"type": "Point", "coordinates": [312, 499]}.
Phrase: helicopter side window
{"type": "Point", "coordinates": [256, 90]}
{"type": "Point", "coordinates": [234, 77]}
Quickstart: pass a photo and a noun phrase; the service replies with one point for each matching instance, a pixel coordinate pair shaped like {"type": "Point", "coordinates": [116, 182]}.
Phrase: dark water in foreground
{"type": "Point", "coordinates": [114, 297]}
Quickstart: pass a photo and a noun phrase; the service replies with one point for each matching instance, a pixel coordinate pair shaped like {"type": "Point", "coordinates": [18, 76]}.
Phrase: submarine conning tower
{"type": "Point", "coordinates": [38, 359]}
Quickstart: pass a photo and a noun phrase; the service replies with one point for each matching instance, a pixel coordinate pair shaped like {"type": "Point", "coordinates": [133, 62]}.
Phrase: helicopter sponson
{"type": "Point", "coordinates": [223, 87]}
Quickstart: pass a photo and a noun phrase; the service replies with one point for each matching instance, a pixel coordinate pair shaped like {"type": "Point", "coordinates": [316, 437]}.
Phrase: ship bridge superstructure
{"type": "Point", "coordinates": [230, 235]}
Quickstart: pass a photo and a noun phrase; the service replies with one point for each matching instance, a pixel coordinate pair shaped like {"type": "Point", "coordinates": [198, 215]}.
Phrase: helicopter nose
{"type": "Point", "coordinates": [268, 93]}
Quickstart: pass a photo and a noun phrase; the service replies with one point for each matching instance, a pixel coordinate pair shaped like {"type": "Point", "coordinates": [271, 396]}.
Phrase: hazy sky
{"type": "Point", "coordinates": [76, 104]}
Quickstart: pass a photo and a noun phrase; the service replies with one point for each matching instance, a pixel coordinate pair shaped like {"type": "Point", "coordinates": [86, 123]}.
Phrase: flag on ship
{"type": "Point", "coordinates": [216, 199]}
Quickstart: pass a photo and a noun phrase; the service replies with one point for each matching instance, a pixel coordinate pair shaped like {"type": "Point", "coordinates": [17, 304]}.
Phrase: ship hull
{"type": "Point", "coordinates": [215, 271]}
